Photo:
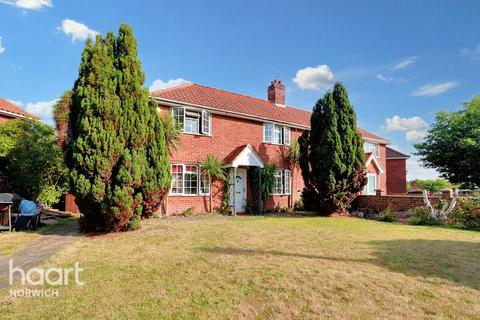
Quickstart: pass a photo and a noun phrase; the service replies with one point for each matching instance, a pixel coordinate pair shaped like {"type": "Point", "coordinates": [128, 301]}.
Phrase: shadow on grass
{"type": "Point", "coordinates": [456, 261]}
{"type": "Point", "coordinates": [259, 252]}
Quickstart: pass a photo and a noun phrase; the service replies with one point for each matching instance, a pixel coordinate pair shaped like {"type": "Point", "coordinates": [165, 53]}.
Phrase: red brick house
{"type": "Point", "coordinates": [9, 111]}
{"type": "Point", "coordinates": [245, 132]}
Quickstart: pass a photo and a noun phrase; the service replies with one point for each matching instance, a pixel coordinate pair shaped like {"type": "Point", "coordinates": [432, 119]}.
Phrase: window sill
{"type": "Point", "coordinates": [277, 144]}
{"type": "Point", "coordinates": [198, 134]}
{"type": "Point", "coordinates": [188, 195]}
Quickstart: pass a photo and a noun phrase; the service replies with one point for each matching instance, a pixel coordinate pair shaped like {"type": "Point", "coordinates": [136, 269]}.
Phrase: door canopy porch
{"type": "Point", "coordinates": [244, 156]}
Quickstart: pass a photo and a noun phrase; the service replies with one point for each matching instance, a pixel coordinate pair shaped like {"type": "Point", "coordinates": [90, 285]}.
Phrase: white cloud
{"type": "Point", "coordinates": [390, 79]}
{"type": "Point", "coordinates": [474, 53]}
{"type": "Point", "coordinates": [77, 30]}
{"type": "Point", "coordinates": [28, 4]}
{"type": "Point", "coordinates": [415, 170]}
{"type": "Point", "coordinates": [405, 63]}
{"type": "Point", "coordinates": [2, 49]}
{"type": "Point", "coordinates": [415, 128]}
{"type": "Point", "coordinates": [160, 84]}
{"type": "Point", "coordinates": [42, 109]}
{"type": "Point", "coordinates": [430, 90]}
{"type": "Point", "coordinates": [415, 135]}
{"type": "Point", "coordinates": [314, 78]}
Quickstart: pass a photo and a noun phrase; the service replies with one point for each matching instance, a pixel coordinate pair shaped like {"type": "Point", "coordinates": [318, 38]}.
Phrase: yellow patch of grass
{"type": "Point", "coordinates": [266, 268]}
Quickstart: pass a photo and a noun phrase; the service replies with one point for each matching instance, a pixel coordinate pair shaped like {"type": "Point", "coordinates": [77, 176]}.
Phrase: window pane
{"type": "Point", "coordinates": [267, 132]}
{"type": "Point", "coordinates": [206, 122]}
{"type": "Point", "coordinates": [191, 125]}
{"type": "Point", "coordinates": [204, 184]}
{"type": "Point", "coordinates": [287, 182]}
{"type": "Point", "coordinates": [191, 180]}
{"type": "Point", "coordinates": [178, 116]}
{"type": "Point", "coordinates": [278, 188]}
{"type": "Point", "coordinates": [177, 179]}
{"type": "Point", "coordinates": [277, 134]}
{"type": "Point", "coordinates": [286, 135]}
{"type": "Point", "coordinates": [372, 147]}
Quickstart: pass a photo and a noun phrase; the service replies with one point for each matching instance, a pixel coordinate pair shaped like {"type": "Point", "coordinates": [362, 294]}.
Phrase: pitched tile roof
{"type": "Point", "coordinates": [196, 94]}
{"type": "Point", "coordinates": [394, 154]}
{"type": "Point", "coordinates": [10, 107]}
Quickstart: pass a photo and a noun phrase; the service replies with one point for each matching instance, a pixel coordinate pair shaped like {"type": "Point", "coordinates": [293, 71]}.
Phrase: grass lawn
{"type": "Point", "coordinates": [266, 268]}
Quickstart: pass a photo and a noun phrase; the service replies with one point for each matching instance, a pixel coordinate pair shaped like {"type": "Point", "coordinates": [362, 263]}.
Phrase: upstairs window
{"type": "Point", "coordinates": [373, 148]}
{"type": "Point", "coordinates": [275, 133]}
{"type": "Point", "coordinates": [282, 182]}
{"type": "Point", "coordinates": [193, 121]}
{"type": "Point", "coordinates": [267, 132]}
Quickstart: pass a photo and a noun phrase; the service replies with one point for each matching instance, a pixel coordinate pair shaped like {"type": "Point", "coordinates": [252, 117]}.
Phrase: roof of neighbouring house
{"type": "Point", "coordinates": [242, 105]}
{"type": "Point", "coordinates": [394, 154]}
{"type": "Point", "coordinates": [12, 109]}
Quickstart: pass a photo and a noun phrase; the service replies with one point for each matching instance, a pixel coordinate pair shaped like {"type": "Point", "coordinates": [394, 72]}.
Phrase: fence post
{"type": "Point", "coordinates": [378, 192]}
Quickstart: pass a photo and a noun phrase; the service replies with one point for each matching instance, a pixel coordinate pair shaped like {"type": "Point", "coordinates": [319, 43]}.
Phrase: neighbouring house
{"type": "Point", "coordinates": [396, 171]}
{"type": "Point", "coordinates": [9, 111]}
{"type": "Point", "coordinates": [245, 133]}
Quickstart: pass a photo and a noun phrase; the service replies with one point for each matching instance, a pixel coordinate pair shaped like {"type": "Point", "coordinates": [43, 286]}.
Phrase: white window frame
{"type": "Point", "coordinates": [278, 134]}
{"type": "Point", "coordinates": [268, 138]}
{"type": "Point", "coordinates": [203, 179]}
{"type": "Point", "coordinates": [200, 176]}
{"type": "Point", "coordinates": [286, 135]}
{"type": "Point", "coordinates": [204, 120]}
{"type": "Point", "coordinates": [285, 178]}
{"type": "Point", "coordinates": [372, 147]}
{"type": "Point", "coordinates": [206, 123]}
{"type": "Point", "coordinates": [287, 182]}
{"type": "Point", "coordinates": [375, 178]}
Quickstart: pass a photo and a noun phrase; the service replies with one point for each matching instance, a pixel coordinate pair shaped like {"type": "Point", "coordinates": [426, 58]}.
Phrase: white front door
{"type": "Point", "coordinates": [240, 190]}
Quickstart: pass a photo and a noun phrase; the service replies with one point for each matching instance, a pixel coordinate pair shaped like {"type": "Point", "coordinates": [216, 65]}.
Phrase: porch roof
{"type": "Point", "coordinates": [243, 156]}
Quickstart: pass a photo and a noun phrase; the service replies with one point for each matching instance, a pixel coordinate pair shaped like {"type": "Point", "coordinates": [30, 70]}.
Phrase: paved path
{"type": "Point", "coordinates": [39, 250]}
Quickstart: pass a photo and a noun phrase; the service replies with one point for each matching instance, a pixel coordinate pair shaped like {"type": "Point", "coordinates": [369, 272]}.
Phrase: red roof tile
{"type": "Point", "coordinates": [8, 106]}
{"type": "Point", "coordinates": [394, 154]}
{"type": "Point", "coordinates": [196, 94]}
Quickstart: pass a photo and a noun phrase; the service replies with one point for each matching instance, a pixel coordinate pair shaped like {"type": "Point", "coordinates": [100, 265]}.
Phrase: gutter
{"type": "Point", "coordinates": [12, 114]}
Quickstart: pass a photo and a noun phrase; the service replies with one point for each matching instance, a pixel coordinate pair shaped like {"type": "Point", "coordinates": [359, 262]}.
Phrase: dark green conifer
{"type": "Point", "coordinates": [332, 157]}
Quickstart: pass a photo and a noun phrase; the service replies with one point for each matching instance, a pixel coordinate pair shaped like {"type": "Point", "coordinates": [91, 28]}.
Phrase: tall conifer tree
{"type": "Point", "coordinates": [332, 157]}
{"type": "Point", "coordinates": [118, 158]}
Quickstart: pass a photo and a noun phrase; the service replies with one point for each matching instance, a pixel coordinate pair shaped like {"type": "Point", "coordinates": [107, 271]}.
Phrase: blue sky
{"type": "Point", "coordinates": [401, 61]}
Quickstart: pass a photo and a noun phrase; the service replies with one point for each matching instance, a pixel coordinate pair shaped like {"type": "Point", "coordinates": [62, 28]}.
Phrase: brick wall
{"type": "Point", "coordinates": [394, 202]}
{"type": "Point", "coordinates": [396, 176]}
{"type": "Point", "coordinates": [227, 134]}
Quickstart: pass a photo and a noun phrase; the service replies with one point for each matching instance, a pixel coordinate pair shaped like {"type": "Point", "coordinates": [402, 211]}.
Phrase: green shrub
{"type": "Point", "coordinates": [465, 215]}
{"type": "Point", "coordinates": [421, 216]}
{"type": "Point", "coordinates": [386, 216]}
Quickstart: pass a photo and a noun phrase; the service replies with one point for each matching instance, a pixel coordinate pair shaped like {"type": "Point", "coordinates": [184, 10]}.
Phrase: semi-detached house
{"type": "Point", "coordinates": [245, 133]}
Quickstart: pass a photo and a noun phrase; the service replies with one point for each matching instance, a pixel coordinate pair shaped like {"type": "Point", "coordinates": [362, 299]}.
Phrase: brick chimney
{"type": "Point", "coordinates": [276, 93]}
